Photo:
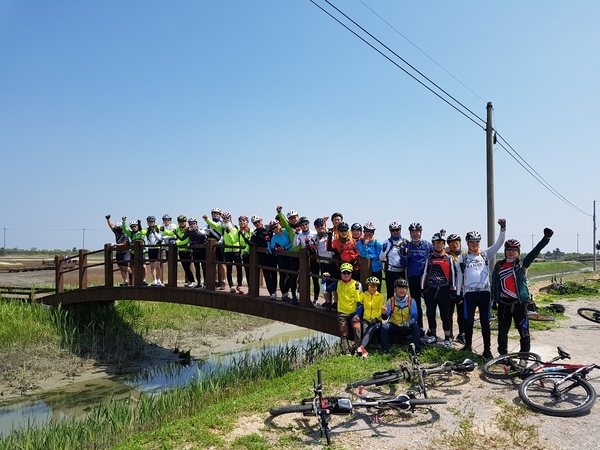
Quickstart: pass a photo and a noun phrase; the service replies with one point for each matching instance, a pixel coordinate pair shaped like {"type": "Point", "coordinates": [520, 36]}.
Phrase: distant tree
{"type": "Point", "coordinates": [557, 253]}
{"type": "Point", "coordinates": [74, 249]}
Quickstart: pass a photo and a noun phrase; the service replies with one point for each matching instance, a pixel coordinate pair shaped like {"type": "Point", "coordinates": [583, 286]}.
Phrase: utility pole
{"type": "Point", "coordinates": [4, 247]}
{"type": "Point", "coordinates": [594, 245]}
{"type": "Point", "coordinates": [491, 217]}
{"type": "Point", "coordinates": [83, 243]}
{"type": "Point", "coordinates": [577, 243]}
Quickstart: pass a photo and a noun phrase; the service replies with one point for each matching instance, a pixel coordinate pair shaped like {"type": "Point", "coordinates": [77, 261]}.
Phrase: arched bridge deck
{"type": "Point", "coordinates": [256, 302]}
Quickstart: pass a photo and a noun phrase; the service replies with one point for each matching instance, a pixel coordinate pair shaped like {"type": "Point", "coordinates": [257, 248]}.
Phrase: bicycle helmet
{"type": "Point", "coordinates": [453, 237]}
{"type": "Point", "coordinates": [243, 218]}
{"type": "Point", "coordinates": [356, 226]}
{"type": "Point", "coordinates": [346, 266]}
{"type": "Point", "coordinates": [166, 217]}
{"type": "Point", "coordinates": [401, 282]}
{"type": "Point", "coordinates": [133, 222]}
{"type": "Point", "coordinates": [337, 214]}
{"type": "Point", "coordinates": [512, 244]}
{"type": "Point", "coordinates": [119, 225]}
{"type": "Point", "coordinates": [395, 226]}
{"type": "Point", "coordinates": [319, 222]}
{"type": "Point", "coordinates": [369, 226]}
{"type": "Point", "coordinates": [372, 280]}
{"type": "Point", "coordinates": [343, 226]}
{"type": "Point", "coordinates": [192, 220]}
{"type": "Point", "coordinates": [256, 218]}
{"type": "Point", "coordinates": [473, 236]}
{"type": "Point", "coordinates": [292, 213]}
{"type": "Point", "coordinates": [215, 210]}
{"type": "Point", "coordinates": [181, 218]}
{"type": "Point", "coordinates": [274, 222]}
{"type": "Point", "coordinates": [226, 216]}
{"type": "Point", "coordinates": [150, 219]}
{"type": "Point", "coordinates": [303, 221]}
{"type": "Point", "coordinates": [438, 237]}
{"type": "Point", "coordinates": [415, 226]}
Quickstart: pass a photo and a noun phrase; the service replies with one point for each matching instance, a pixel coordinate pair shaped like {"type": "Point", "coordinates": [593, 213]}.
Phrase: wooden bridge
{"type": "Point", "coordinates": [256, 302]}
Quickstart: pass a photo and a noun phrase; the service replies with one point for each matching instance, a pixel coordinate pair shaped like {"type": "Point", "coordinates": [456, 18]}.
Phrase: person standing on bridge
{"type": "Point", "coordinates": [154, 238]}
{"type": "Point", "coordinates": [122, 256]}
{"type": "Point", "coordinates": [261, 237]}
{"type": "Point", "coordinates": [135, 234]}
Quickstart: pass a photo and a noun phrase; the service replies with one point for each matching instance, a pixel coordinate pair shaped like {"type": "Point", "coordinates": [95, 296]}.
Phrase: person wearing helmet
{"type": "Point", "coordinates": [260, 238]}
{"type": "Point", "coordinates": [510, 291]}
{"type": "Point", "coordinates": [318, 248]}
{"type": "Point", "coordinates": [336, 219]}
{"type": "Point", "coordinates": [134, 232]}
{"type": "Point", "coordinates": [370, 248]}
{"type": "Point", "coordinates": [168, 226]}
{"type": "Point", "coordinates": [291, 226]}
{"type": "Point", "coordinates": [391, 255]}
{"type": "Point", "coordinates": [474, 286]}
{"type": "Point", "coordinates": [456, 303]}
{"type": "Point", "coordinates": [344, 248]}
{"type": "Point", "coordinates": [245, 235]}
{"type": "Point", "coordinates": [182, 240]}
{"type": "Point", "coordinates": [370, 304]}
{"type": "Point", "coordinates": [280, 242]}
{"type": "Point", "coordinates": [122, 255]}
{"type": "Point", "coordinates": [400, 317]}
{"type": "Point", "coordinates": [154, 237]}
{"type": "Point", "coordinates": [356, 231]}
{"type": "Point", "coordinates": [348, 294]}
{"type": "Point", "coordinates": [436, 283]}
{"type": "Point", "coordinates": [232, 253]}
{"type": "Point", "coordinates": [306, 239]}
{"type": "Point", "coordinates": [212, 233]}
{"type": "Point", "coordinates": [413, 257]}
{"type": "Point", "coordinates": [197, 238]}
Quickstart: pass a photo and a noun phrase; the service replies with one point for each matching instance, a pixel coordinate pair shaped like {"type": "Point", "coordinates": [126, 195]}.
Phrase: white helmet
{"type": "Point", "coordinates": [292, 212]}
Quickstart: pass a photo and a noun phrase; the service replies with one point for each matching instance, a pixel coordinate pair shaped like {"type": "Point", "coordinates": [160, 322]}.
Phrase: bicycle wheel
{"type": "Point", "coordinates": [542, 317]}
{"type": "Point", "coordinates": [379, 378]}
{"type": "Point", "coordinates": [571, 398]}
{"type": "Point", "coordinates": [590, 314]}
{"type": "Point", "coordinates": [427, 401]}
{"type": "Point", "coordinates": [511, 365]}
{"type": "Point", "coordinates": [291, 409]}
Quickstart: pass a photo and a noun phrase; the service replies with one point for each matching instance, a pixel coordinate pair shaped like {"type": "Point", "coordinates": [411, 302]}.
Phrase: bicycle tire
{"type": "Point", "coordinates": [590, 314]}
{"type": "Point", "coordinates": [378, 378]}
{"type": "Point", "coordinates": [291, 409]}
{"type": "Point", "coordinates": [500, 368]}
{"type": "Point", "coordinates": [427, 401]}
{"type": "Point", "coordinates": [540, 317]}
{"type": "Point", "coordinates": [574, 397]}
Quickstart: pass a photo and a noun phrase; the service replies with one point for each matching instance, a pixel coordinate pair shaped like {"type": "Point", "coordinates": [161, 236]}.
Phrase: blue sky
{"type": "Point", "coordinates": [151, 107]}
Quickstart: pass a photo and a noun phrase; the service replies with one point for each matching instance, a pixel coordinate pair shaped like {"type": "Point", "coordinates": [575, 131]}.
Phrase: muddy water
{"type": "Point", "coordinates": [79, 398]}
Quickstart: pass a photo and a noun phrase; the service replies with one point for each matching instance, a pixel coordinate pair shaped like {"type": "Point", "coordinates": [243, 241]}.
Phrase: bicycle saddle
{"type": "Point", "coordinates": [467, 365]}
{"type": "Point", "coordinates": [563, 354]}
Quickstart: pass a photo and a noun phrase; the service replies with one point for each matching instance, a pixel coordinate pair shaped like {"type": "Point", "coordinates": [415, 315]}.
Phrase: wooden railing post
{"type": "Point", "coordinates": [109, 280]}
{"type": "Point", "coordinates": [138, 263]}
{"type": "Point", "coordinates": [83, 268]}
{"type": "Point", "coordinates": [172, 265]}
{"type": "Point", "coordinates": [365, 270]}
{"type": "Point", "coordinates": [254, 271]}
{"type": "Point", "coordinates": [304, 278]}
{"type": "Point", "coordinates": [59, 279]}
{"type": "Point", "coordinates": [211, 260]}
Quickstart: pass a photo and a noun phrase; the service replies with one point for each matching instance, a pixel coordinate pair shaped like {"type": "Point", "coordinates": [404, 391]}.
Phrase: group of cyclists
{"type": "Point", "coordinates": [449, 279]}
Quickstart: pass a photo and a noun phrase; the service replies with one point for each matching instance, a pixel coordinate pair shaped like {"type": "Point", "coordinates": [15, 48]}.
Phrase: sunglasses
{"type": "Point", "coordinates": [346, 272]}
{"type": "Point", "coordinates": [394, 230]}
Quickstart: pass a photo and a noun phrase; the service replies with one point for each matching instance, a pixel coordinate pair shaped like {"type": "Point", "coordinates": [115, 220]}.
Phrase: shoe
{"type": "Point", "coordinates": [295, 301]}
{"type": "Point", "coordinates": [186, 284]}
{"type": "Point", "coordinates": [199, 286]}
{"type": "Point", "coordinates": [460, 338]}
{"type": "Point", "coordinates": [522, 363]}
{"type": "Point", "coordinates": [430, 339]}
{"type": "Point", "coordinates": [145, 283]}
{"type": "Point", "coordinates": [467, 348]}
{"type": "Point", "coordinates": [286, 298]}
{"type": "Point", "coordinates": [273, 297]}
{"type": "Point", "coordinates": [239, 290]}
{"type": "Point", "coordinates": [154, 283]}
{"type": "Point", "coordinates": [362, 352]}
{"type": "Point", "coordinates": [447, 345]}
{"type": "Point", "coordinates": [334, 306]}
{"type": "Point", "coordinates": [193, 284]}
{"type": "Point", "coordinates": [487, 354]}
{"type": "Point", "coordinates": [315, 303]}
{"type": "Point", "coordinates": [124, 284]}
{"type": "Point", "coordinates": [221, 286]}
{"type": "Point", "coordinates": [326, 305]}
{"type": "Point", "coordinates": [232, 290]}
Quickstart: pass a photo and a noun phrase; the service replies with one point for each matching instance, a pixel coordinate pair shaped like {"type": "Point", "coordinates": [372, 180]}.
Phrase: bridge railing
{"type": "Point", "coordinates": [82, 263]}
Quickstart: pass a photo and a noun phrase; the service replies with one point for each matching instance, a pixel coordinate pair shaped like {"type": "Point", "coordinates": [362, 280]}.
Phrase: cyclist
{"type": "Point", "coordinates": [336, 219]}
{"type": "Point", "coordinates": [369, 248]}
{"type": "Point", "coordinates": [196, 238]}
{"type": "Point", "coordinates": [400, 317]}
{"type": "Point", "coordinates": [369, 310]}
{"type": "Point", "coordinates": [135, 234]}
{"type": "Point", "coordinates": [122, 256]}
{"type": "Point", "coordinates": [280, 242]}
{"type": "Point", "coordinates": [260, 237]}
{"type": "Point", "coordinates": [169, 226]}
{"type": "Point", "coordinates": [182, 241]}
{"type": "Point", "coordinates": [510, 292]}
{"type": "Point", "coordinates": [245, 235]}
{"type": "Point", "coordinates": [290, 224]}
{"type": "Point", "coordinates": [318, 248]}
{"type": "Point", "coordinates": [344, 248]}
{"type": "Point", "coordinates": [348, 293]}
{"type": "Point", "coordinates": [216, 216]}
{"type": "Point", "coordinates": [390, 255]}
{"type": "Point", "coordinates": [473, 284]}
{"type": "Point", "coordinates": [437, 281]}
{"type": "Point", "coordinates": [154, 237]}
{"type": "Point", "coordinates": [456, 302]}
{"type": "Point", "coordinates": [304, 239]}
{"type": "Point", "coordinates": [233, 249]}
{"type": "Point", "coordinates": [413, 256]}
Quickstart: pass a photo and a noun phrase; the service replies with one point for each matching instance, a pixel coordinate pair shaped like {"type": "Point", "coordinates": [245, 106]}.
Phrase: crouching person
{"type": "Point", "coordinates": [348, 318]}
{"type": "Point", "coordinates": [369, 309]}
{"type": "Point", "coordinates": [400, 317]}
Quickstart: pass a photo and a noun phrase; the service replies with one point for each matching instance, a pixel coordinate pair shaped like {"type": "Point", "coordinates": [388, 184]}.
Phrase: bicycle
{"type": "Point", "coordinates": [323, 407]}
{"type": "Point", "coordinates": [414, 372]}
{"type": "Point", "coordinates": [590, 314]}
{"type": "Point", "coordinates": [524, 364]}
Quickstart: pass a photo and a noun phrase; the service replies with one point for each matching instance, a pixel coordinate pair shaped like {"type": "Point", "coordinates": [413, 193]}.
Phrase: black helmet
{"type": "Point", "coordinates": [415, 226]}
{"type": "Point", "coordinates": [343, 226]}
{"type": "Point", "coordinates": [356, 226]}
{"type": "Point", "coordinates": [337, 214]}
{"type": "Point", "coordinates": [150, 219]}
{"type": "Point", "coordinates": [400, 282]}
{"type": "Point", "coordinates": [453, 237]}
{"type": "Point", "coordinates": [319, 222]}
{"type": "Point", "coordinates": [303, 221]}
